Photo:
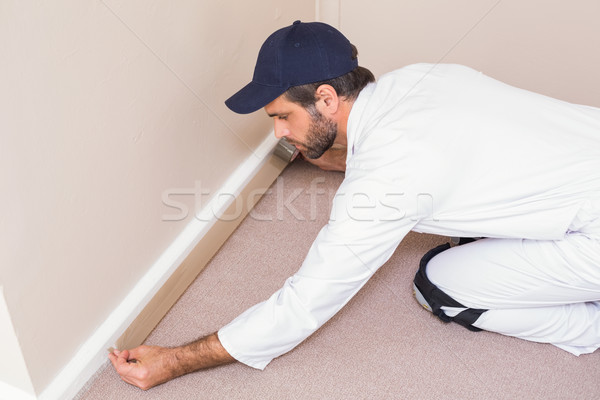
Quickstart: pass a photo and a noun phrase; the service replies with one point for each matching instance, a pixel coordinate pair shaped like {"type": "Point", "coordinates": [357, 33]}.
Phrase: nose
{"type": "Point", "coordinates": [280, 129]}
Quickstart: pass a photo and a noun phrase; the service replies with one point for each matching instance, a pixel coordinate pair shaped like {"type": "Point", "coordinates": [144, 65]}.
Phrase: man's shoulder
{"type": "Point", "coordinates": [416, 79]}
{"type": "Point", "coordinates": [424, 69]}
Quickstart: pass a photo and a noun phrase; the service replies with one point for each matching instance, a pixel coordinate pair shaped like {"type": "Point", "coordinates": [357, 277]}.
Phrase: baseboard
{"type": "Point", "coordinates": [133, 320]}
{"type": "Point", "coordinates": [201, 254]}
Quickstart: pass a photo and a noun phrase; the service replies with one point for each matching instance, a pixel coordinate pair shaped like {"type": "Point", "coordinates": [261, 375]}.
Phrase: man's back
{"type": "Point", "coordinates": [473, 156]}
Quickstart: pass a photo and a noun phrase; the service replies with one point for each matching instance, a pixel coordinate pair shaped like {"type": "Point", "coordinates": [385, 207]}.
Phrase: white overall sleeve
{"type": "Point", "coordinates": [363, 232]}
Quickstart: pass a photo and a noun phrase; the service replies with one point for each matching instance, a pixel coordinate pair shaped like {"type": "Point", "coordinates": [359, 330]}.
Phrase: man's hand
{"type": "Point", "coordinates": [144, 366]}
{"type": "Point", "coordinates": [333, 159]}
{"type": "Point", "coordinates": [148, 366]}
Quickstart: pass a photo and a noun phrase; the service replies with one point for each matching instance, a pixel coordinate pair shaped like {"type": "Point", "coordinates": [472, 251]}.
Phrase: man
{"type": "Point", "coordinates": [440, 149]}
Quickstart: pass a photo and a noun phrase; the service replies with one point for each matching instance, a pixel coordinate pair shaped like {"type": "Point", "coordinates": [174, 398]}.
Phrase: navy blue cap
{"type": "Point", "coordinates": [304, 52]}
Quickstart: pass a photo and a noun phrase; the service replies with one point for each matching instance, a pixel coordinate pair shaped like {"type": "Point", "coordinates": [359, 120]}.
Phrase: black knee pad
{"type": "Point", "coordinates": [435, 298]}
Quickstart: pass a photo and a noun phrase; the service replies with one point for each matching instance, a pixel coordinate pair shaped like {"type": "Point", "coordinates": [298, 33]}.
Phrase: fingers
{"type": "Point", "coordinates": [113, 359]}
{"type": "Point", "coordinates": [121, 361]}
{"type": "Point", "coordinates": [124, 367]}
{"type": "Point", "coordinates": [136, 353]}
{"type": "Point", "coordinates": [131, 369]}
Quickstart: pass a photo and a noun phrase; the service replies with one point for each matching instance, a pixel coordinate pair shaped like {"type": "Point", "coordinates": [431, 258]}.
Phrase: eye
{"type": "Point", "coordinates": [282, 117]}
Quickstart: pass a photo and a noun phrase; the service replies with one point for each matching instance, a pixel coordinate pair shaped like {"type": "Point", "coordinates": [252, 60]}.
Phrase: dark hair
{"type": "Point", "coordinates": [347, 86]}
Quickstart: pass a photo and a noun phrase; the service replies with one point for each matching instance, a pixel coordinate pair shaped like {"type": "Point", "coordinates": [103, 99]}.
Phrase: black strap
{"type": "Point", "coordinates": [437, 298]}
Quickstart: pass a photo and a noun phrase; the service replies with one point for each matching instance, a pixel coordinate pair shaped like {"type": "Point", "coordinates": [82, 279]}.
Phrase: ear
{"type": "Point", "coordinates": [328, 101]}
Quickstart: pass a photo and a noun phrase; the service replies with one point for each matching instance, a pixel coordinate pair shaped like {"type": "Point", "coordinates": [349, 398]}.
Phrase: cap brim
{"type": "Point", "coordinates": [253, 97]}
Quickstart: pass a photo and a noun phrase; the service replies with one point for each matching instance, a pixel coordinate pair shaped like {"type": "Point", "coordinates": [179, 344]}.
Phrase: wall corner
{"type": "Point", "coordinates": [15, 382]}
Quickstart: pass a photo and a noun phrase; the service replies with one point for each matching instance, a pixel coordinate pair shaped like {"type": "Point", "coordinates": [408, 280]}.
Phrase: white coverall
{"type": "Point", "coordinates": [446, 150]}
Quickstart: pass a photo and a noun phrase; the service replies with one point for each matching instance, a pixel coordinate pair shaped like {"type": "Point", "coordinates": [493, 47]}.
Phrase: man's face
{"type": "Point", "coordinates": [311, 132]}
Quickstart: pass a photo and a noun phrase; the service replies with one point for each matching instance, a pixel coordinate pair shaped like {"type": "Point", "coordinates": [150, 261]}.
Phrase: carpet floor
{"type": "Point", "coordinates": [382, 345]}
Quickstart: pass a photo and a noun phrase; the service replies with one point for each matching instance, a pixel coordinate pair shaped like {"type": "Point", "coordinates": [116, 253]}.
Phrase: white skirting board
{"type": "Point", "coordinates": [134, 318]}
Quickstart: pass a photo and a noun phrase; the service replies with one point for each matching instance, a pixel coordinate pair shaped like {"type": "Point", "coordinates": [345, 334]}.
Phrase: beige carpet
{"type": "Point", "coordinates": [382, 345]}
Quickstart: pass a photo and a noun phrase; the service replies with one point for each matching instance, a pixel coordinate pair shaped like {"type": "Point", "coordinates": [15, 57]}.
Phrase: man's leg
{"type": "Point", "coordinates": [542, 291]}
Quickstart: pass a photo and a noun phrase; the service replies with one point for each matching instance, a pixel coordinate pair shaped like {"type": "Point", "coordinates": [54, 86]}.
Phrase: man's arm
{"type": "Point", "coordinates": [148, 366]}
{"type": "Point", "coordinates": [333, 159]}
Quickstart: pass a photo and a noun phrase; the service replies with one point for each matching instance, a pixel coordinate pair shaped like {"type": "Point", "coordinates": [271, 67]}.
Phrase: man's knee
{"type": "Point", "coordinates": [430, 296]}
{"type": "Point", "coordinates": [438, 270]}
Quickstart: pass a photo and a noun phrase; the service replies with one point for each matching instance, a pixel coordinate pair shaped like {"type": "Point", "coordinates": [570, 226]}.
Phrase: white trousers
{"type": "Point", "coordinates": [543, 291]}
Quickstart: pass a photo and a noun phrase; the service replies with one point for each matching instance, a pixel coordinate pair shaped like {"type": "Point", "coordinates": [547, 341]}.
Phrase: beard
{"type": "Point", "coordinates": [320, 137]}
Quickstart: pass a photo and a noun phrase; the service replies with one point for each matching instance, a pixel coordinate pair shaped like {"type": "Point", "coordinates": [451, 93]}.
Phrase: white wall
{"type": "Point", "coordinates": [105, 105]}
{"type": "Point", "coordinates": [548, 46]}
